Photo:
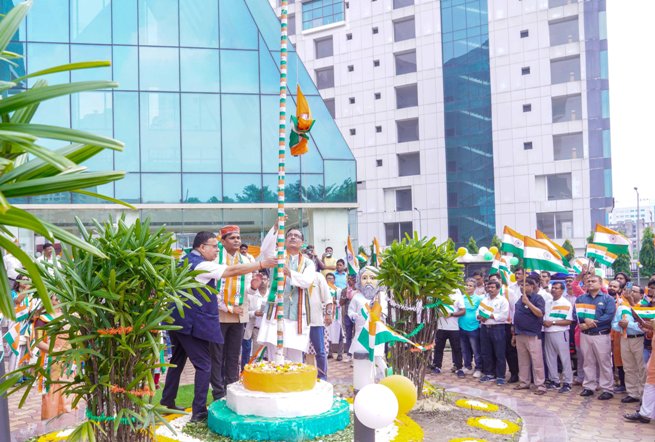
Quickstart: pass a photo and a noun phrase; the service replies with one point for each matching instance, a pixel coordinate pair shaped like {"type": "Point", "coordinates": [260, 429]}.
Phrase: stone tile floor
{"type": "Point", "coordinates": [553, 417]}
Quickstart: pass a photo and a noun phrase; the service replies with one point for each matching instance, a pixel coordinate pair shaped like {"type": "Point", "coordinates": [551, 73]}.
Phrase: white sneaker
{"type": "Point", "coordinates": [346, 358]}
{"type": "Point", "coordinates": [477, 374]}
{"type": "Point", "coordinates": [468, 371]}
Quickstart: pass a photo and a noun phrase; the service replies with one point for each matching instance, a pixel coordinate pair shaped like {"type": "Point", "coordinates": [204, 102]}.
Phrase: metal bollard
{"type": "Point", "coordinates": [363, 374]}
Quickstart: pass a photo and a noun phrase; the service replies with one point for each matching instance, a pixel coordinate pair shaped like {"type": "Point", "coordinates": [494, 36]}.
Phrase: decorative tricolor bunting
{"type": "Point", "coordinates": [376, 332]}
{"type": "Point", "coordinates": [13, 338]}
{"type": "Point", "coordinates": [610, 239]}
{"type": "Point", "coordinates": [353, 265]}
{"type": "Point", "coordinates": [585, 311]}
{"type": "Point", "coordinates": [512, 242]}
{"type": "Point", "coordinates": [302, 123]}
{"type": "Point", "coordinates": [600, 254]}
{"type": "Point", "coordinates": [537, 256]}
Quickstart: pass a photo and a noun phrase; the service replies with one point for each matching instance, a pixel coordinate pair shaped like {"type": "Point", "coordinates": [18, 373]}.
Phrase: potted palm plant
{"type": "Point", "coordinates": [419, 274]}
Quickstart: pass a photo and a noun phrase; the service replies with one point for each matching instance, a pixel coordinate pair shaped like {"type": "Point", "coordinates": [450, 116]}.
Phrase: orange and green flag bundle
{"type": "Point", "coordinates": [302, 124]}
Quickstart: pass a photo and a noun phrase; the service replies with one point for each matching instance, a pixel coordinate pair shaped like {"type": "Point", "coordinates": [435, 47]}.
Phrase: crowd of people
{"type": "Point", "coordinates": [553, 335]}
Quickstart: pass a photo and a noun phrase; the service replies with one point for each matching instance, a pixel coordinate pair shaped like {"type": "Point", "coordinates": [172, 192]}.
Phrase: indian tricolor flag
{"type": "Point", "coordinates": [644, 312]}
{"type": "Point", "coordinates": [353, 265]}
{"type": "Point", "coordinates": [13, 338]}
{"type": "Point", "coordinates": [538, 256]}
{"type": "Point", "coordinates": [585, 311]}
{"type": "Point", "coordinates": [500, 266]}
{"type": "Point", "coordinates": [612, 240]}
{"type": "Point", "coordinates": [485, 310]}
{"type": "Point", "coordinates": [301, 124]}
{"type": "Point", "coordinates": [559, 311]}
{"type": "Point", "coordinates": [376, 258]}
{"type": "Point", "coordinates": [512, 242]}
{"type": "Point", "coordinates": [600, 254]}
{"type": "Point", "coordinates": [376, 332]}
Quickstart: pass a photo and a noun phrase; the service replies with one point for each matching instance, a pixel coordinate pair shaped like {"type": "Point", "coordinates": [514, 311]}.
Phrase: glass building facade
{"type": "Point", "coordinates": [467, 115]}
{"type": "Point", "coordinates": [197, 105]}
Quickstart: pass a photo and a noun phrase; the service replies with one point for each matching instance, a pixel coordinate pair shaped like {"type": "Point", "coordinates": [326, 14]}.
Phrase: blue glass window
{"type": "Point", "coordinates": [239, 71]}
{"type": "Point", "coordinates": [105, 189]}
{"type": "Point", "coordinates": [41, 18]}
{"type": "Point", "coordinates": [269, 75]}
{"type": "Point", "coordinates": [321, 12]}
{"type": "Point", "coordinates": [607, 144]}
{"type": "Point", "coordinates": [335, 145]}
{"type": "Point", "coordinates": [159, 70]}
{"type": "Point", "coordinates": [160, 188]}
{"type": "Point", "coordinates": [55, 112]}
{"type": "Point", "coordinates": [46, 55]}
{"type": "Point", "coordinates": [90, 53]}
{"type": "Point", "coordinates": [340, 182]}
{"type": "Point", "coordinates": [92, 112]}
{"type": "Point", "coordinates": [126, 67]}
{"type": "Point", "coordinates": [199, 23]}
{"type": "Point", "coordinates": [605, 103]}
{"type": "Point", "coordinates": [126, 113]}
{"type": "Point", "coordinates": [241, 141]}
{"type": "Point", "coordinates": [90, 21]}
{"type": "Point", "coordinates": [201, 133]}
{"type": "Point", "coordinates": [604, 65]}
{"type": "Point", "coordinates": [202, 188]}
{"type": "Point", "coordinates": [160, 132]}
{"type": "Point", "coordinates": [129, 188]}
{"type": "Point", "coordinates": [312, 161]}
{"type": "Point", "coordinates": [199, 70]}
{"type": "Point", "coordinates": [238, 30]}
{"type": "Point", "coordinates": [158, 21]}
{"type": "Point", "coordinates": [242, 188]}
{"type": "Point", "coordinates": [268, 22]}
{"type": "Point", "coordinates": [270, 126]}
{"type": "Point", "coordinates": [125, 29]}
{"type": "Point", "coordinates": [313, 188]}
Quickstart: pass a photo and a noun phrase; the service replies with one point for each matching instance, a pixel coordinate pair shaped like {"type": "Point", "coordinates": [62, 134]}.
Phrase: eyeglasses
{"type": "Point", "coordinates": [213, 246]}
{"type": "Point", "coordinates": [295, 235]}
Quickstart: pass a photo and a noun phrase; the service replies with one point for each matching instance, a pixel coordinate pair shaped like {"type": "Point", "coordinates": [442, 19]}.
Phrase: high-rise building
{"type": "Point", "coordinates": [197, 109]}
{"type": "Point", "coordinates": [467, 115]}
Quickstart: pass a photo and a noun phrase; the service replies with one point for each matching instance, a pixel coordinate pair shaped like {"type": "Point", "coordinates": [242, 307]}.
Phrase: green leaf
{"type": "Point", "coordinates": [11, 22]}
{"type": "Point", "coordinates": [36, 96]}
{"type": "Point", "coordinates": [59, 183]}
{"type": "Point", "coordinates": [106, 198]}
{"type": "Point", "coordinates": [64, 134]}
{"type": "Point", "coordinates": [22, 219]}
{"type": "Point", "coordinates": [68, 238]}
{"type": "Point", "coordinates": [6, 302]}
{"type": "Point", "coordinates": [66, 68]}
{"type": "Point", "coordinates": [58, 161]}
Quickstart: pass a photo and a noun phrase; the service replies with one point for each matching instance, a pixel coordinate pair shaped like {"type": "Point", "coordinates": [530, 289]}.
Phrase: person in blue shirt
{"type": "Point", "coordinates": [594, 312]}
{"type": "Point", "coordinates": [469, 330]}
{"type": "Point", "coordinates": [341, 275]}
{"type": "Point", "coordinates": [631, 346]}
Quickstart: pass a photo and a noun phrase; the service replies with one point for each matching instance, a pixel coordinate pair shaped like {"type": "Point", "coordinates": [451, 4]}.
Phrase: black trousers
{"type": "Point", "coordinates": [197, 351]}
{"type": "Point", "coordinates": [455, 346]}
{"type": "Point", "coordinates": [225, 358]}
{"type": "Point", "coordinates": [511, 356]}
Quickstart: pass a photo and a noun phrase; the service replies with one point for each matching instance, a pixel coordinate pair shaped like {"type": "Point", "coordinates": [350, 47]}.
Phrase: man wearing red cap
{"type": "Point", "coordinates": [233, 295]}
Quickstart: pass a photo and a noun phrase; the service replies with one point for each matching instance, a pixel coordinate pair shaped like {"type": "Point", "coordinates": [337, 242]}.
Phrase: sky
{"type": "Point", "coordinates": [632, 99]}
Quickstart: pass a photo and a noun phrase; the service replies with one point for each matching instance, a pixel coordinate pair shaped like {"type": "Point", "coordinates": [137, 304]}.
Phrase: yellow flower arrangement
{"type": "Point", "coordinates": [493, 425]}
{"type": "Point", "coordinates": [408, 430]}
{"type": "Point", "coordinates": [472, 404]}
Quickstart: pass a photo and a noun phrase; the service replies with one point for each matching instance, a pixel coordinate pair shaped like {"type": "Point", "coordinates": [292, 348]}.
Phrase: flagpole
{"type": "Point", "coordinates": [279, 353]}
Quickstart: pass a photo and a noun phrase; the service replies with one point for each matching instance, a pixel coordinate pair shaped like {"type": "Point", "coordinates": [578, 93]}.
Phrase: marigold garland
{"type": "Point", "coordinates": [493, 425]}
{"type": "Point", "coordinates": [472, 404]}
{"type": "Point", "coordinates": [140, 393]}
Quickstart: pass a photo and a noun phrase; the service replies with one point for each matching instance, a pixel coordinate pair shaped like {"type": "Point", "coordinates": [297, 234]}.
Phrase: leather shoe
{"type": "Point", "coordinates": [636, 417]}
{"type": "Point", "coordinates": [200, 417]}
{"type": "Point", "coordinates": [605, 395]}
{"type": "Point", "coordinates": [629, 400]}
{"type": "Point", "coordinates": [172, 407]}
{"type": "Point", "coordinates": [587, 392]}
{"type": "Point", "coordinates": [513, 379]}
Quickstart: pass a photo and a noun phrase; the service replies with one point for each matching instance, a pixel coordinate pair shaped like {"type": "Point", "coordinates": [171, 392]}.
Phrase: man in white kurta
{"type": "Point", "coordinates": [299, 275]}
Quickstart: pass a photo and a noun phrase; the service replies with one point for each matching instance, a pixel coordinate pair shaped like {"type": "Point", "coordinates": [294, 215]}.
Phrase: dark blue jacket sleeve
{"type": "Point", "coordinates": [604, 317]}
{"type": "Point", "coordinates": [541, 304]}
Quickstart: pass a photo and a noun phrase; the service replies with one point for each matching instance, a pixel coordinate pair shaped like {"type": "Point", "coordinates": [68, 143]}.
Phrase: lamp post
{"type": "Point", "coordinates": [638, 240]}
{"type": "Point", "coordinates": [420, 222]}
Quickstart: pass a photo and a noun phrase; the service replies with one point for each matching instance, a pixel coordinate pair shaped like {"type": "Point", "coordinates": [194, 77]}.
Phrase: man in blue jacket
{"type": "Point", "coordinates": [200, 324]}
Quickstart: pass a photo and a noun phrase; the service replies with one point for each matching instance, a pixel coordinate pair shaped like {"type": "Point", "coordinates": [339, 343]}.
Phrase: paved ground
{"type": "Point", "coordinates": [553, 417]}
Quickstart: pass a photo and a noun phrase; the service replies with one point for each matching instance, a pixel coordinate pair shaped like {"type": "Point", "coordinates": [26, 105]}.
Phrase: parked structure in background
{"type": "Point", "coordinates": [469, 114]}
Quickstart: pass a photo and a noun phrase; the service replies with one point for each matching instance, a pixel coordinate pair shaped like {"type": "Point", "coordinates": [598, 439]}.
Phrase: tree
{"type": "Point", "coordinates": [495, 241]}
{"type": "Point", "coordinates": [28, 169]}
{"type": "Point", "coordinates": [569, 247]}
{"type": "Point", "coordinates": [590, 238]}
{"type": "Point", "coordinates": [472, 246]}
{"type": "Point", "coordinates": [647, 253]}
{"type": "Point", "coordinates": [112, 314]}
{"type": "Point", "coordinates": [622, 264]}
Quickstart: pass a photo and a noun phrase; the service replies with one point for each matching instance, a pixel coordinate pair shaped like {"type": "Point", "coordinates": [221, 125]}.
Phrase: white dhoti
{"type": "Point", "coordinates": [295, 344]}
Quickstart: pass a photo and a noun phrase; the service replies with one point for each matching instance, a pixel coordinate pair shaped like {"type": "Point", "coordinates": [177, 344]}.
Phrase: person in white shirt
{"type": "Point", "coordinates": [512, 293]}
{"type": "Point", "coordinates": [448, 330]}
{"type": "Point", "coordinates": [492, 314]}
{"type": "Point", "coordinates": [557, 335]}
{"type": "Point", "coordinates": [243, 250]}
{"type": "Point", "coordinates": [255, 303]}
{"type": "Point", "coordinates": [320, 300]}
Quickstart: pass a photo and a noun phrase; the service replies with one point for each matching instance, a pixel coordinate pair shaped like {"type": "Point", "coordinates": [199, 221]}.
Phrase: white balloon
{"type": "Point", "coordinates": [376, 406]}
{"type": "Point", "coordinates": [482, 251]}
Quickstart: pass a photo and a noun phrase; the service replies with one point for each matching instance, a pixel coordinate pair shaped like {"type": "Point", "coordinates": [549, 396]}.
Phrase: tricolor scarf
{"type": "Point", "coordinates": [559, 312]}
{"type": "Point", "coordinates": [585, 311]}
{"type": "Point", "coordinates": [303, 300]}
{"type": "Point", "coordinates": [232, 290]}
{"type": "Point", "coordinates": [335, 301]}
